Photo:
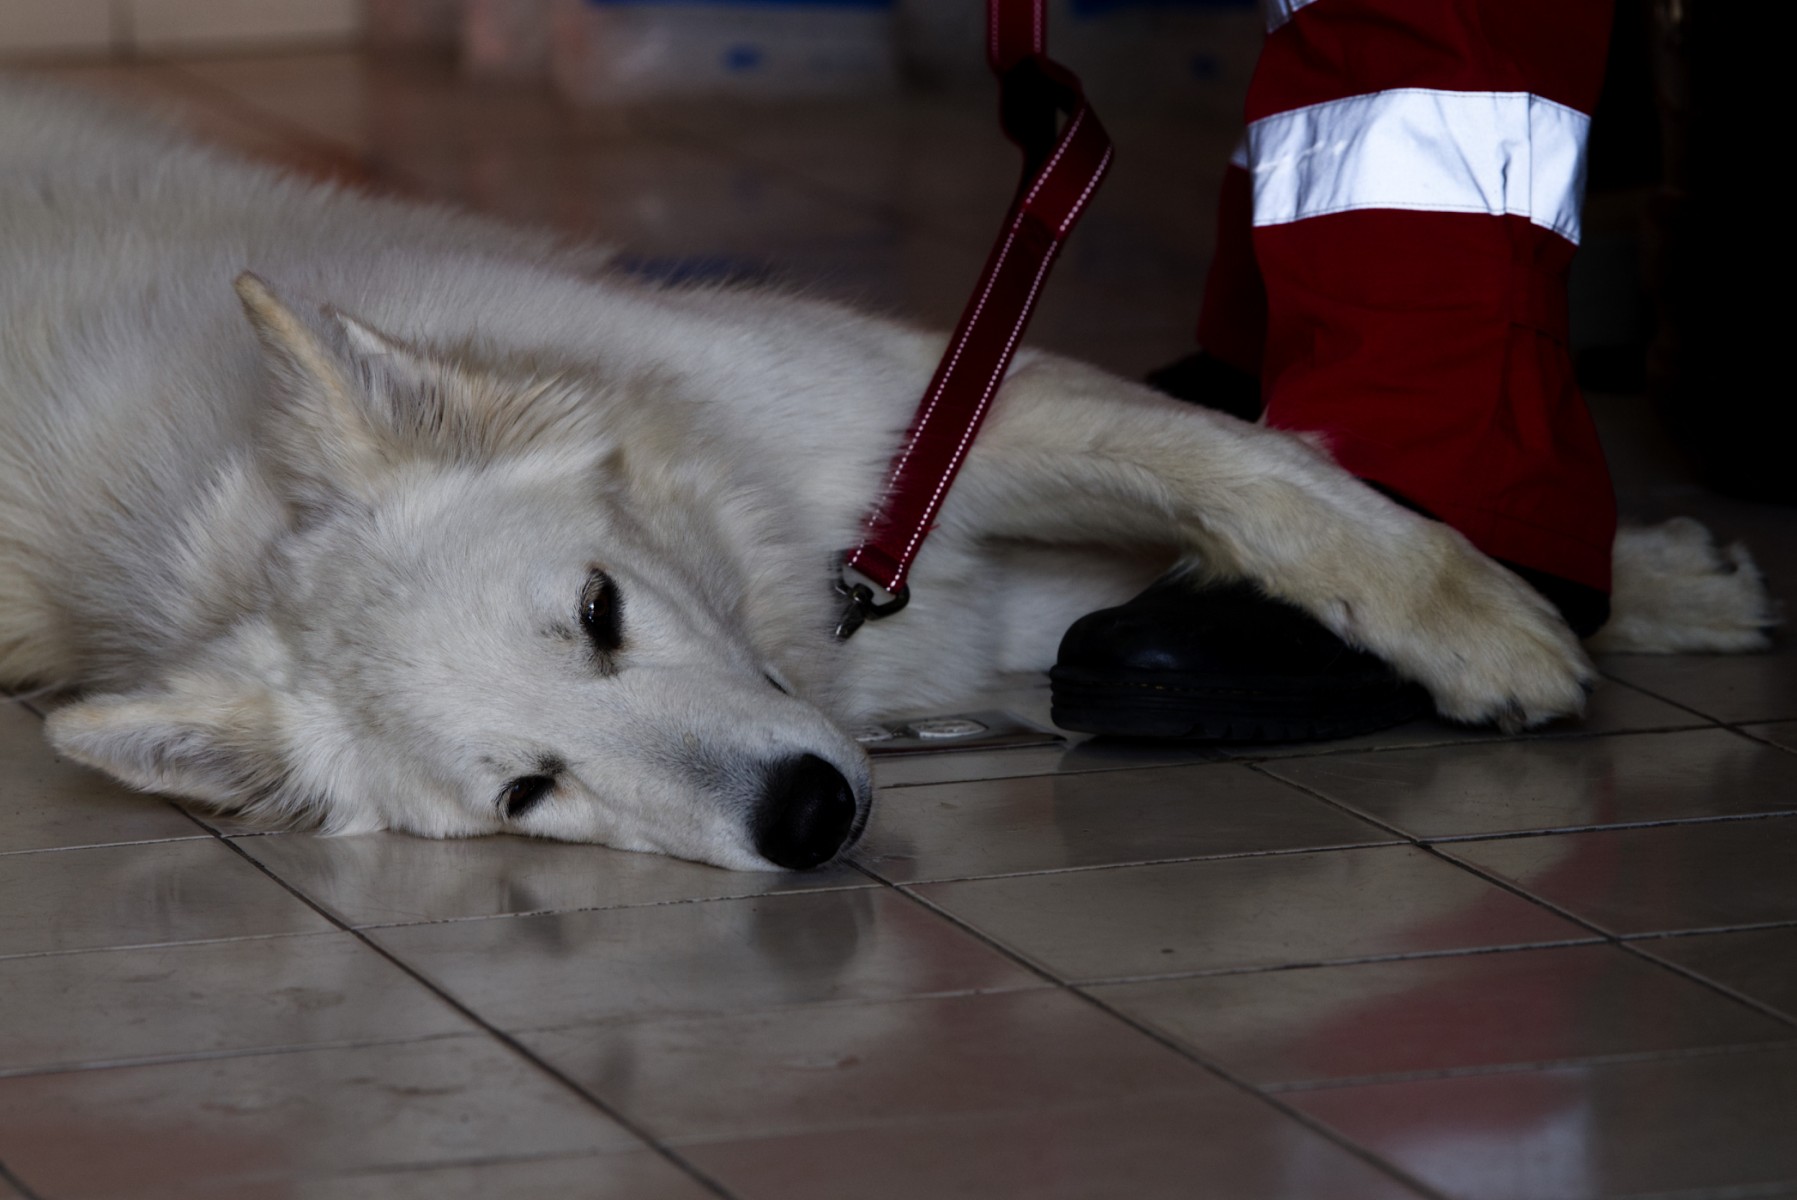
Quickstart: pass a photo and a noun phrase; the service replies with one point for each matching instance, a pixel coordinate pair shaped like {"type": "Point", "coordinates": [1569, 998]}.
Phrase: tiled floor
{"type": "Point", "coordinates": [1430, 962]}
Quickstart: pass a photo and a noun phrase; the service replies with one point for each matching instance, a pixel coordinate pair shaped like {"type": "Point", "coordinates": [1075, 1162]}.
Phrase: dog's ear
{"type": "Point", "coordinates": [214, 740]}
{"type": "Point", "coordinates": [355, 402]}
{"type": "Point", "coordinates": [464, 408]}
{"type": "Point", "coordinates": [324, 438]}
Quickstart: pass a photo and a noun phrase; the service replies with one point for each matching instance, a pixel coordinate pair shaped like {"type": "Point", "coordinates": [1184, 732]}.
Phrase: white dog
{"type": "Point", "coordinates": [455, 534]}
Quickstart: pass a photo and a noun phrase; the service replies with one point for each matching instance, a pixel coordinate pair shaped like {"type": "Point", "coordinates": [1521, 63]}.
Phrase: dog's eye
{"type": "Point", "coordinates": [522, 794]}
{"type": "Point", "coordinates": [601, 612]}
{"type": "Point", "coordinates": [778, 686]}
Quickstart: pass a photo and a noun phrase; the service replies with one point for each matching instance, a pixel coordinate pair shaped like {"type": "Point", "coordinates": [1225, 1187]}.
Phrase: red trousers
{"type": "Point", "coordinates": [1392, 257]}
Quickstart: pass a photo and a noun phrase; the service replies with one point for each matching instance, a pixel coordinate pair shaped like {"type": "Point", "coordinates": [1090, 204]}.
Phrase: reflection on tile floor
{"type": "Point", "coordinates": [1428, 962]}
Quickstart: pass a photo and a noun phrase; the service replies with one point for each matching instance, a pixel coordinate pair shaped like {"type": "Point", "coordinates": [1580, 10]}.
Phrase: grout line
{"type": "Point", "coordinates": [1473, 740]}
{"type": "Point", "coordinates": [1620, 1058]}
{"type": "Point", "coordinates": [1519, 891]}
{"type": "Point", "coordinates": [1313, 964]}
{"type": "Point", "coordinates": [1745, 729]}
{"type": "Point", "coordinates": [9, 1176]}
{"type": "Point", "coordinates": [1348, 810]}
{"type": "Point", "coordinates": [1224, 856]}
{"type": "Point", "coordinates": [505, 1039]}
{"type": "Point", "coordinates": [186, 1056]}
{"type": "Point", "coordinates": [217, 941]}
{"type": "Point", "coordinates": [1560, 830]}
{"type": "Point", "coordinates": [599, 908]}
{"type": "Point", "coordinates": [1695, 976]}
{"type": "Point", "coordinates": [154, 841]}
{"type": "Point", "coordinates": [1216, 1069]}
{"type": "Point", "coordinates": [1659, 935]}
{"type": "Point", "coordinates": [1662, 697]}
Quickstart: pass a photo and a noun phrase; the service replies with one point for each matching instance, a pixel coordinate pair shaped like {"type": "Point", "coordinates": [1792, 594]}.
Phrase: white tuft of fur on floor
{"type": "Point", "coordinates": [1677, 590]}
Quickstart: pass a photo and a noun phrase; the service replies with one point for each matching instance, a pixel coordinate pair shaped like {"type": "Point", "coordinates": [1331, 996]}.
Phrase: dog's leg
{"type": "Point", "coordinates": [1072, 454]}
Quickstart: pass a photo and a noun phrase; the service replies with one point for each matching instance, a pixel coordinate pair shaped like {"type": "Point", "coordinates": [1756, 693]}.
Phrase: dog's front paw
{"type": "Point", "coordinates": [1490, 649]}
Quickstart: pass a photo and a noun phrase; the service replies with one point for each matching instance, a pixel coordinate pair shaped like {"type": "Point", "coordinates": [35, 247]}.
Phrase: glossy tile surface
{"type": "Point", "coordinates": [1666, 1127]}
{"type": "Point", "coordinates": [1242, 913]}
{"type": "Point", "coordinates": [714, 956]}
{"type": "Point", "coordinates": [189, 1011]}
{"type": "Point", "coordinates": [47, 803]}
{"type": "Point", "coordinates": [1755, 963]}
{"type": "Point", "coordinates": [850, 1065]}
{"type": "Point", "coordinates": [186, 891]}
{"type": "Point", "coordinates": [1556, 783]}
{"type": "Point", "coordinates": [411, 1104]}
{"type": "Point", "coordinates": [1046, 822]}
{"type": "Point", "coordinates": [392, 879]}
{"type": "Point", "coordinates": [1466, 1012]}
{"type": "Point", "coordinates": [1161, 1149]}
{"type": "Point", "coordinates": [113, 1006]}
{"type": "Point", "coordinates": [1751, 688]}
{"type": "Point", "coordinates": [1661, 879]}
{"type": "Point", "coordinates": [625, 1175]}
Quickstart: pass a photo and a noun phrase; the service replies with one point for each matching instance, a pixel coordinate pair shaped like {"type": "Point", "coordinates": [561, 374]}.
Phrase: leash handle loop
{"type": "Point", "coordinates": [1066, 153]}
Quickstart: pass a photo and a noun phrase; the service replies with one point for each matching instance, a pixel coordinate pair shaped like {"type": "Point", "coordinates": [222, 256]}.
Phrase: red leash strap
{"type": "Point", "coordinates": [1060, 173]}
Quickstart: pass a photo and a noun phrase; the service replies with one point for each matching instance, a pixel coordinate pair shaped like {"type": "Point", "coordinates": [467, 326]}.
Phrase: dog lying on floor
{"type": "Point", "coordinates": [431, 525]}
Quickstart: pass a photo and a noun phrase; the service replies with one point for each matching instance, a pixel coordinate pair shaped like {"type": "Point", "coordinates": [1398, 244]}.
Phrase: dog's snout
{"type": "Point", "coordinates": [806, 813]}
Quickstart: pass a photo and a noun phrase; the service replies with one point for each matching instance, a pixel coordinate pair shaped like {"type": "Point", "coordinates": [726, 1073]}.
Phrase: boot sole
{"type": "Point", "coordinates": [1196, 711]}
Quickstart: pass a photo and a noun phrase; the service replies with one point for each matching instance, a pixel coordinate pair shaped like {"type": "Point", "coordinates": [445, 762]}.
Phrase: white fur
{"type": "Point", "coordinates": [1679, 591]}
{"type": "Point", "coordinates": [322, 565]}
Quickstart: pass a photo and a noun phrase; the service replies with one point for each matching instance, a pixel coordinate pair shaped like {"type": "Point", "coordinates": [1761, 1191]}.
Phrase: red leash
{"type": "Point", "coordinates": [1060, 173]}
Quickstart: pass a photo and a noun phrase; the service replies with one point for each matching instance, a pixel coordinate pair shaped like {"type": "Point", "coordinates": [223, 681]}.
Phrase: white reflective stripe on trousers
{"type": "Point", "coordinates": [1278, 12]}
{"type": "Point", "coordinates": [1416, 148]}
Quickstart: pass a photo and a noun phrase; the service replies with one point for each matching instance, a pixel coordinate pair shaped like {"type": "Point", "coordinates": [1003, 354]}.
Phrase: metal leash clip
{"type": "Point", "coordinates": [859, 605]}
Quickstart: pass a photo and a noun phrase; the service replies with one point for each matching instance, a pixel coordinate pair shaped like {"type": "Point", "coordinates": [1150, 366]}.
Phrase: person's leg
{"type": "Point", "coordinates": [1418, 174]}
{"type": "Point", "coordinates": [1413, 175]}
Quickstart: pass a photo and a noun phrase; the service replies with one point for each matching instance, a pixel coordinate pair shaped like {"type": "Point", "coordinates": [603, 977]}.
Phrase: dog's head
{"type": "Point", "coordinates": [497, 598]}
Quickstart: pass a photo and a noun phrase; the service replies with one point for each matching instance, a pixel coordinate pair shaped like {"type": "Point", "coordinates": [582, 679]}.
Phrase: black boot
{"type": "Point", "coordinates": [1223, 663]}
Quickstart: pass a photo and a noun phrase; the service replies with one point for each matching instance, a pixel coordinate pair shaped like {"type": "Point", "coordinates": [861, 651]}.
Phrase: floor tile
{"type": "Point", "coordinates": [717, 956]}
{"type": "Point", "coordinates": [1780, 733]}
{"type": "Point", "coordinates": [688, 1079]}
{"type": "Point", "coordinates": [625, 1175]}
{"type": "Point", "coordinates": [1556, 783]}
{"type": "Point", "coordinates": [1452, 1013]}
{"type": "Point", "coordinates": [1055, 821]}
{"type": "Point", "coordinates": [392, 879]}
{"type": "Point", "coordinates": [122, 1131]}
{"type": "Point", "coordinates": [1225, 1144]}
{"type": "Point", "coordinates": [902, 167]}
{"type": "Point", "coordinates": [176, 1001]}
{"type": "Point", "coordinates": [1665, 1127]}
{"type": "Point", "coordinates": [1749, 687]}
{"type": "Point", "coordinates": [49, 803]}
{"type": "Point", "coordinates": [162, 90]}
{"type": "Point", "coordinates": [1660, 879]}
{"type": "Point", "coordinates": [1757, 963]}
{"type": "Point", "coordinates": [1242, 913]}
{"type": "Point", "coordinates": [1613, 708]}
{"type": "Point", "coordinates": [186, 891]}
{"type": "Point", "coordinates": [320, 95]}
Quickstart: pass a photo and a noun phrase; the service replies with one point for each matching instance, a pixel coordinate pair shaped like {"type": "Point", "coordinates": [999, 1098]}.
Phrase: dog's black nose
{"type": "Point", "coordinates": [806, 813]}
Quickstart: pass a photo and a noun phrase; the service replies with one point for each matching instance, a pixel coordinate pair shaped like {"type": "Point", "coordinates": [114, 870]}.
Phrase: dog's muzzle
{"type": "Point", "coordinates": [806, 813]}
